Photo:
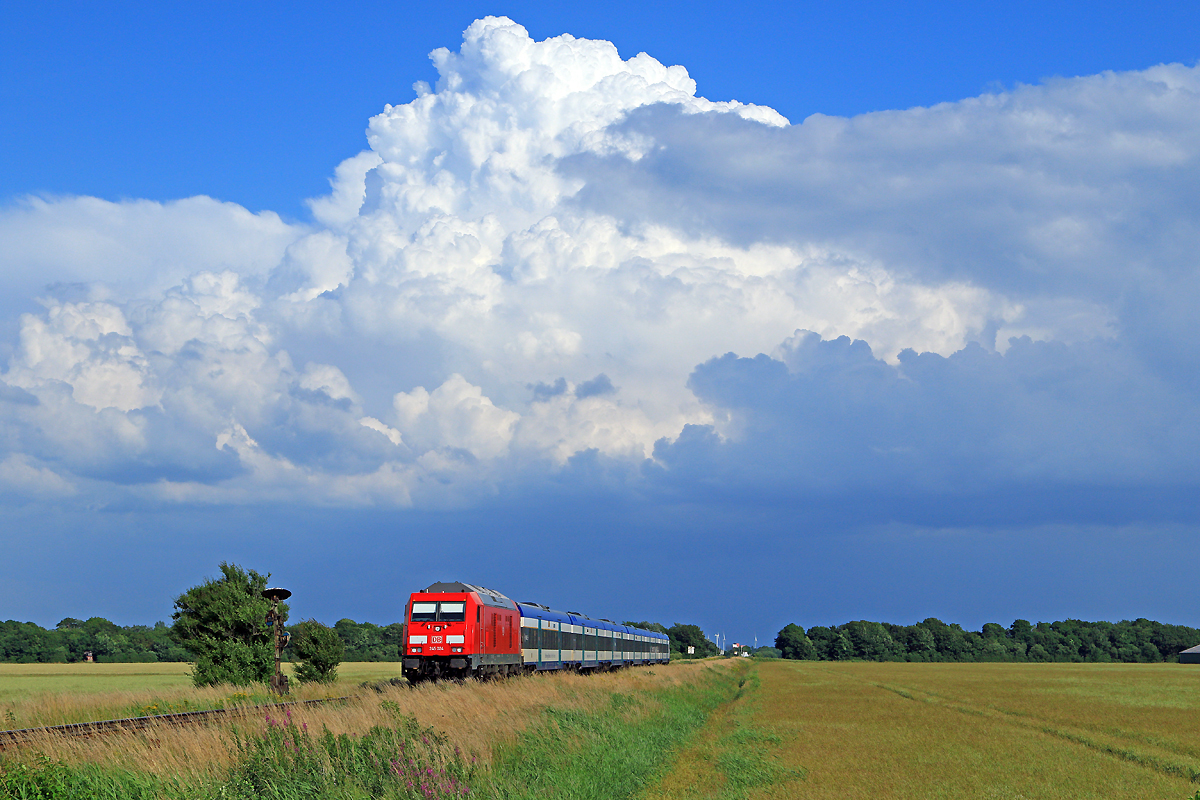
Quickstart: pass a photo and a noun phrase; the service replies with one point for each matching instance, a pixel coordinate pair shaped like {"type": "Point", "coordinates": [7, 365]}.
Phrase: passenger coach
{"type": "Point", "coordinates": [456, 630]}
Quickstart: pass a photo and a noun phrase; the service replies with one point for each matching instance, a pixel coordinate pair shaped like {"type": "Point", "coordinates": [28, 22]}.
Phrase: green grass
{"type": "Point", "coordinates": [22, 681]}
{"type": "Point", "coordinates": [733, 756]}
{"type": "Point", "coordinates": [608, 753]}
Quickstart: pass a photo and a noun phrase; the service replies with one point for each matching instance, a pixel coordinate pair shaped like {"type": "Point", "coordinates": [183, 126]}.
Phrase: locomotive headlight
{"type": "Point", "coordinates": [416, 649]}
{"type": "Point", "coordinates": [455, 649]}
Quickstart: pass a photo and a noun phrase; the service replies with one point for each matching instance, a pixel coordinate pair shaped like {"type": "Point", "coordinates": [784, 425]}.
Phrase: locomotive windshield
{"type": "Point", "coordinates": [453, 612]}
{"type": "Point", "coordinates": [444, 612]}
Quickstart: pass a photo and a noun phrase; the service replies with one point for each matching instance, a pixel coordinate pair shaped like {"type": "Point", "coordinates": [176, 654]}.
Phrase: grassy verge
{"type": "Point", "coordinates": [733, 755]}
{"type": "Point", "coordinates": [612, 751]}
{"type": "Point", "coordinates": [566, 736]}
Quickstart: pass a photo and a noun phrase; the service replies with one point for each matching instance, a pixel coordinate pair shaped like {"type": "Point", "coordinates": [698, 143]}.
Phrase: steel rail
{"type": "Point", "coordinates": [9, 738]}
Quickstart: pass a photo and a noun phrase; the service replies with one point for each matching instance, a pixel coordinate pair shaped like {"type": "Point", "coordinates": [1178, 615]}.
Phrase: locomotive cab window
{"type": "Point", "coordinates": [453, 612]}
{"type": "Point", "coordinates": [444, 612]}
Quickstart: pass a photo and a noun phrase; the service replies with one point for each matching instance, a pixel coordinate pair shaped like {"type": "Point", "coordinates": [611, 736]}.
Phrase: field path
{"type": "Point", "coordinates": [867, 730]}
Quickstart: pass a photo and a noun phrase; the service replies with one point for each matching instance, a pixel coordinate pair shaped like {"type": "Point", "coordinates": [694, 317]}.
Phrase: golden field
{"type": "Point", "coordinates": [886, 730]}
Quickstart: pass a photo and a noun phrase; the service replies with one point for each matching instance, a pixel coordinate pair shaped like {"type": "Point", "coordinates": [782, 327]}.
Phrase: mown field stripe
{"type": "Point", "coordinates": [731, 756]}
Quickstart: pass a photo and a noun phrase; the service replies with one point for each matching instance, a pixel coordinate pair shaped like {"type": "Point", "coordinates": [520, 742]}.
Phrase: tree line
{"type": "Point", "coordinates": [71, 639]}
{"type": "Point", "coordinates": [1140, 640]}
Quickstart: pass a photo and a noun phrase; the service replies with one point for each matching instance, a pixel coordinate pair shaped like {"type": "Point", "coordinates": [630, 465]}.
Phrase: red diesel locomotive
{"type": "Point", "coordinates": [457, 630]}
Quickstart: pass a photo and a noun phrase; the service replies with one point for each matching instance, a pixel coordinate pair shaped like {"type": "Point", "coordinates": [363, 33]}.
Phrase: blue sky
{"type": "Point", "coordinates": [243, 103]}
{"type": "Point", "coordinates": [860, 312]}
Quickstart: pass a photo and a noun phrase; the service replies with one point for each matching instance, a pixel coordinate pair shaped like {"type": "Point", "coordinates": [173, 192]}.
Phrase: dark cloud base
{"type": "Point", "coordinates": [747, 569]}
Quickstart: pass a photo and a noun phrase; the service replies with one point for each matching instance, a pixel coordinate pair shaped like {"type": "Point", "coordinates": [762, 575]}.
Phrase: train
{"type": "Point", "coordinates": [457, 630]}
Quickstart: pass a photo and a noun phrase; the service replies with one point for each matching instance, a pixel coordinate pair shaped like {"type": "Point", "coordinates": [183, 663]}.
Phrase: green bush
{"type": "Point", "coordinates": [319, 649]}
{"type": "Point", "coordinates": [223, 624]}
{"type": "Point", "coordinates": [238, 663]}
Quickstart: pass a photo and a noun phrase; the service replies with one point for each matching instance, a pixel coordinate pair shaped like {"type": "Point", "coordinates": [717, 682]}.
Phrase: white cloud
{"type": "Point", "coordinates": [19, 475]}
{"type": "Point", "coordinates": [88, 347]}
{"type": "Point", "coordinates": [133, 247]}
{"type": "Point", "coordinates": [551, 240]}
{"type": "Point", "coordinates": [455, 415]}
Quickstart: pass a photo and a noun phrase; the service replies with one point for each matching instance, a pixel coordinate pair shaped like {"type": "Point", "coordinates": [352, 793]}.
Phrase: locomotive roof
{"type": "Point", "coordinates": [487, 596]}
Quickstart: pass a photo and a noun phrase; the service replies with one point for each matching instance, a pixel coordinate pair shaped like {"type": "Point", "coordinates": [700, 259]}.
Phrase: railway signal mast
{"type": "Point", "coordinates": [279, 681]}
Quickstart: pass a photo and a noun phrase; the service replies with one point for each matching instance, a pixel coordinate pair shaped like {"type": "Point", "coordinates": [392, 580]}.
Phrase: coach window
{"type": "Point", "coordinates": [424, 612]}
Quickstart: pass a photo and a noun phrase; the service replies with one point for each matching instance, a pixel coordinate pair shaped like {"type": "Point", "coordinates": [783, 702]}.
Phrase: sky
{"type": "Point", "coordinates": [797, 313]}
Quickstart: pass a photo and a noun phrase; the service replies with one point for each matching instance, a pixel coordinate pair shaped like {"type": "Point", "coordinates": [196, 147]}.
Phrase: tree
{"type": "Point", "coordinates": [794, 643]}
{"type": "Point", "coordinates": [223, 624]}
{"type": "Point", "coordinates": [919, 643]}
{"type": "Point", "coordinates": [872, 642]}
{"type": "Point", "coordinates": [684, 636]}
{"type": "Point", "coordinates": [830, 643]}
{"type": "Point", "coordinates": [319, 649]}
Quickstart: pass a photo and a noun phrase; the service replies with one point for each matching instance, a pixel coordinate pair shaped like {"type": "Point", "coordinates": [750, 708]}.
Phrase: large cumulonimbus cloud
{"type": "Point", "coordinates": [549, 254]}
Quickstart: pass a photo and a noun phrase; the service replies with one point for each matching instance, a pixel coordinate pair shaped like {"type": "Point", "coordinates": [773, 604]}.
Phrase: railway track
{"type": "Point", "coordinates": [12, 738]}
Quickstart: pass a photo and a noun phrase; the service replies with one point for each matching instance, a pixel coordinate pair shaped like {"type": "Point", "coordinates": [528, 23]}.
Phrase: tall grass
{"type": "Point", "coordinates": [281, 762]}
